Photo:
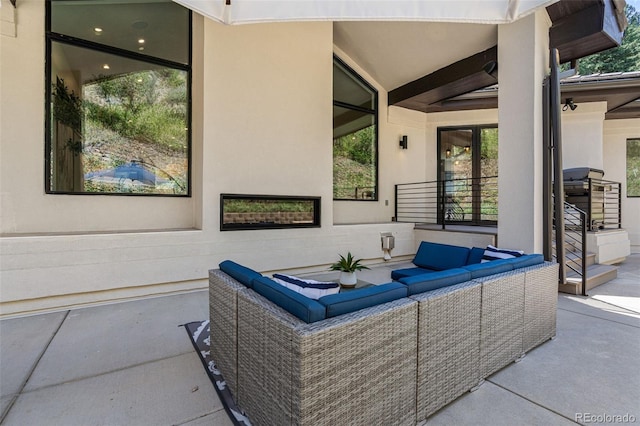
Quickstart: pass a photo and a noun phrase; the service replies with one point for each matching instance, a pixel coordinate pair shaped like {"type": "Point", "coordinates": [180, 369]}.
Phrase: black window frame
{"type": "Point", "coordinates": [374, 112]}
{"type": "Point", "coordinates": [316, 222]}
{"type": "Point", "coordinates": [51, 37]}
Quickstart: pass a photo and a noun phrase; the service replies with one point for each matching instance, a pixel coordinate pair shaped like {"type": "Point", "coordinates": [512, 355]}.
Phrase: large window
{"type": "Point", "coordinates": [355, 136]}
{"type": "Point", "coordinates": [118, 97]}
{"type": "Point", "coordinates": [633, 167]}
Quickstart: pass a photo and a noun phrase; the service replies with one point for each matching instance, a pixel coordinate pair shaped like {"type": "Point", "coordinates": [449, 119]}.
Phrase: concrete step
{"type": "Point", "coordinates": [596, 275]}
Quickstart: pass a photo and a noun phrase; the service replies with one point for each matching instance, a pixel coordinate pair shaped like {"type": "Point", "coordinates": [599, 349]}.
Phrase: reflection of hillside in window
{"type": "Point", "coordinates": [132, 109]}
{"type": "Point", "coordinates": [633, 167]}
{"type": "Point", "coordinates": [355, 134]}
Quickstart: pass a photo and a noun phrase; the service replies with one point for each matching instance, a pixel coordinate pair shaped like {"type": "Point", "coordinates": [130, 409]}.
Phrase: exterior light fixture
{"type": "Point", "coordinates": [140, 41]}
{"type": "Point", "coordinates": [447, 153]}
{"type": "Point", "coordinates": [569, 104]}
{"type": "Point", "coordinates": [404, 142]}
{"type": "Point", "coordinates": [97, 30]}
{"type": "Point", "coordinates": [467, 148]}
{"type": "Point", "coordinates": [106, 66]}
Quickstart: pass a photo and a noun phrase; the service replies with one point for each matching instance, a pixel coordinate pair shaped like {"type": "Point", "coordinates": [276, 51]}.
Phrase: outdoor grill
{"type": "Point", "coordinates": [584, 189]}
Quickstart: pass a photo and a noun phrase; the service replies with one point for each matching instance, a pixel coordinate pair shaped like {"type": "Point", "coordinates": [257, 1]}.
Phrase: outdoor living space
{"type": "Point", "coordinates": [131, 363]}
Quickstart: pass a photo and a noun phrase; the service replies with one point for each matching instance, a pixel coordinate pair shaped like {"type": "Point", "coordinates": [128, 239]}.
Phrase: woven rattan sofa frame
{"type": "Point", "coordinates": [284, 371]}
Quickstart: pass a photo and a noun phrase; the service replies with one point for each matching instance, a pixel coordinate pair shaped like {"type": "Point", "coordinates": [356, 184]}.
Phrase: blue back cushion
{"type": "Point", "coordinates": [440, 256]}
{"type": "Point", "coordinates": [527, 260]}
{"type": "Point", "coordinates": [475, 255]}
{"type": "Point", "coordinates": [239, 272]}
{"type": "Point", "coordinates": [308, 310]}
{"type": "Point", "coordinates": [480, 270]}
{"type": "Point", "coordinates": [397, 274]}
{"type": "Point", "coordinates": [431, 281]}
{"type": "Point", "coordinates": [351, 301]}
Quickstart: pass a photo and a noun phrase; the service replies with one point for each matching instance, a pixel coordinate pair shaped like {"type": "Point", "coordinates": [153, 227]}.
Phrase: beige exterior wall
{"type": "Point", "coordinates": [616, 133]}
{"type": "Point", "coordinates": [262, 118]}
{"type": "Point", "coordinates": [582, 131]}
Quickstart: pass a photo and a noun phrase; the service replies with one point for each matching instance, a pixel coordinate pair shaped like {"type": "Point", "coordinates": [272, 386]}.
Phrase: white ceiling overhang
{"type": "Point", "coordinates": [461, 11]}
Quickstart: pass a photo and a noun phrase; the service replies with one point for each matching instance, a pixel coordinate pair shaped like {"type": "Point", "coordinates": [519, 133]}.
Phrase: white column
{"type": "Point", "coordinates": [523, 57]}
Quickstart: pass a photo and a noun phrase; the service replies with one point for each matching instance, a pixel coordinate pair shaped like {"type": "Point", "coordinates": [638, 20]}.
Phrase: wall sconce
{"type": "Point", "coordinates": [447, 153]}
{"type": "Point", "coordinates": [404, 142]}
{"type": "Point", "coordinates": [569, 104]}
{"type": "Point", "coordinates": [467, 148]}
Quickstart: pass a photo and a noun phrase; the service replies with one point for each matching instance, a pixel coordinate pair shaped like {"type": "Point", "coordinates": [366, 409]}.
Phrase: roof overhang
{"type": "Point", "coordinates": [621, 92]}
{"type": "Point", "coordinates": [462, 11]}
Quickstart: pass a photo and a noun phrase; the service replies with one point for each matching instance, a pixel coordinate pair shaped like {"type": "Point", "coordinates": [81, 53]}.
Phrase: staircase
{"type": "Point", "coordinates": [581, 271]}
{"type": "Point", "coordinates": [596, 274]}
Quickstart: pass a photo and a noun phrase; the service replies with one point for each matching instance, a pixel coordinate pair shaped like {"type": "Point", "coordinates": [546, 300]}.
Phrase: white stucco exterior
{"type": "Point", "coordinates": [262, 114]}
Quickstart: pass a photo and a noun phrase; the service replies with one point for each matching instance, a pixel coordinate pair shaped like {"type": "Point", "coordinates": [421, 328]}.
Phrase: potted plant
{"type": "Point", "coordinates": [348, 267]}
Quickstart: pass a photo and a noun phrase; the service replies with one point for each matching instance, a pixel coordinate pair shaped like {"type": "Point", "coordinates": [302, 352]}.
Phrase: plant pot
{"type": "Point", "coordinates": [348, 278]}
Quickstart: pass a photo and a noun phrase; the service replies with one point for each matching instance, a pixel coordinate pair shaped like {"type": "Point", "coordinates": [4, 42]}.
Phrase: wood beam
{"type": "Point", "coordinates": [590, 30]}
{"type": "Point", "coordinates": [469, 74]}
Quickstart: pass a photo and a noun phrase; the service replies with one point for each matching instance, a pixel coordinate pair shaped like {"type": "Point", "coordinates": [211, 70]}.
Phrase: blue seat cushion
{"type": "Point", "coordinates": [351, 301]}
{"type": "Point", "coordinates": [440, 256]}
{"type": "Point", "coordinates": [239, 272]}
{"type": "Point", "coordinates": [479, 270]}
{"type": "Point", "coordinates": [397, 274]}
{"type": "Point", "coordinates": [431, 281]}
{"type": "Point", "coordinates": [527, 260]}
{"type": "Point", "coordinates": [308, 310]}
{"type": "Point", "coordinates": [475, 255]}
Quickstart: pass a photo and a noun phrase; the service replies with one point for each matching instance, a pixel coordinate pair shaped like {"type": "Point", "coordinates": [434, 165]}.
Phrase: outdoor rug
{"type": "Point", "coordinates": [199, 334]}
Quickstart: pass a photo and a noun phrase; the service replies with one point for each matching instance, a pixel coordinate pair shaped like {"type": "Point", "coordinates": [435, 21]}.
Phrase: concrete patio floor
{"type": "Point", "coordinates": [131, 364]}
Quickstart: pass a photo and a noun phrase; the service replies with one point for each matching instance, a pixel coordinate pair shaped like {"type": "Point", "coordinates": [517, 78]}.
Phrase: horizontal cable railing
{"type": "Point", "coordinates": [471, 201]}
{"type": "Point", "coordinates": [575, 242]}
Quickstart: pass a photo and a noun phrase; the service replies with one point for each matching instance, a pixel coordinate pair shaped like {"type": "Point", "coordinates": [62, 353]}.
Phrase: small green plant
{"type": "Point", "coordinates": [348, 264]}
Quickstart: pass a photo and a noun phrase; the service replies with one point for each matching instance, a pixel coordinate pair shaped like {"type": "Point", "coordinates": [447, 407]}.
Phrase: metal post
{"type": "Point", "coordinates": [395, 204]}
{"type": "Point", "coordinates": [584, 253]}
{"type": "Point", "coordinates": [558, 184]}
{"type": "Point", "coordinates": [547, 175]}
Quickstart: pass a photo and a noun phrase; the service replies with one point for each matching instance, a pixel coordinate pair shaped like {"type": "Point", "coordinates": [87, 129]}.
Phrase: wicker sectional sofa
{"type": "Point", "coordinates": [395, 362]}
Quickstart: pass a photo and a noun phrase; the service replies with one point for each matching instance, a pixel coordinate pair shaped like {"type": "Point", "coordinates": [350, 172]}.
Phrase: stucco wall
{"type": "Point", "coordinates": [262, 117]}
{"type": "Point", "coordinates": [616, 133]}
{"type": "Point", "coordinates": [582, 131]}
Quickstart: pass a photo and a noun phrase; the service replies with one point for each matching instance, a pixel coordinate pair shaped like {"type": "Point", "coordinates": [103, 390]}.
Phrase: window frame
{"type": "Point", "coordinates": [51, 37]}
{"type": "Point", "coordinates": [374, 112]}
{"type": "Point", "coordinates": [316, 223]}
{"type": "Point", "coordinates": [626, 166]}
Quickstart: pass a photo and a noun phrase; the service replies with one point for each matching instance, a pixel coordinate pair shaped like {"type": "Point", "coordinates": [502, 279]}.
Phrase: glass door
{"type": "Point", "coordinates": [468, 169]}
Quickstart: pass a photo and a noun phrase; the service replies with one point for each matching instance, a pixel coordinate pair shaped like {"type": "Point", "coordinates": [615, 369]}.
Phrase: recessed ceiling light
{"type": "Point", "coordinates": [97, 30]}
{"type": "Point", "coordinates": [140, 48]}
{"type": "Point", "coordinates": [139, 79]}
{"type": "Point", "coordinates": [106, 66]}
{"type": "Point", "coordinates": [141, 40]}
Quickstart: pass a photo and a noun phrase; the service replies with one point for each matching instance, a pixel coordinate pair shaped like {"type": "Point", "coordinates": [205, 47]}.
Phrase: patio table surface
{"type": "Point", "coordinates": [130, 363]}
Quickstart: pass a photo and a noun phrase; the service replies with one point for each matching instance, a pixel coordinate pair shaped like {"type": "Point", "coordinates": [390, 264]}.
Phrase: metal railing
{"type": "Point", "coordinates": [607, 195]}
{"type": "Point", "coordinates": [472, 201]}
{"type": "Point", "coordinates": [575, 241]}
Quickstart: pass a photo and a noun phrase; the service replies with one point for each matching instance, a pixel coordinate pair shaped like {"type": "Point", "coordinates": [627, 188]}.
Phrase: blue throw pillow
{"type": "Point", "coordinates": [308, 310]}
{"type": "Point", "coordinates": [310, 288]}
{"type": "Point", "coordinates": [431, 281]}
{"type": "Point", "coordinates": [351, 301]}
{"type": "Point", "coordinates": [239, 272]}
